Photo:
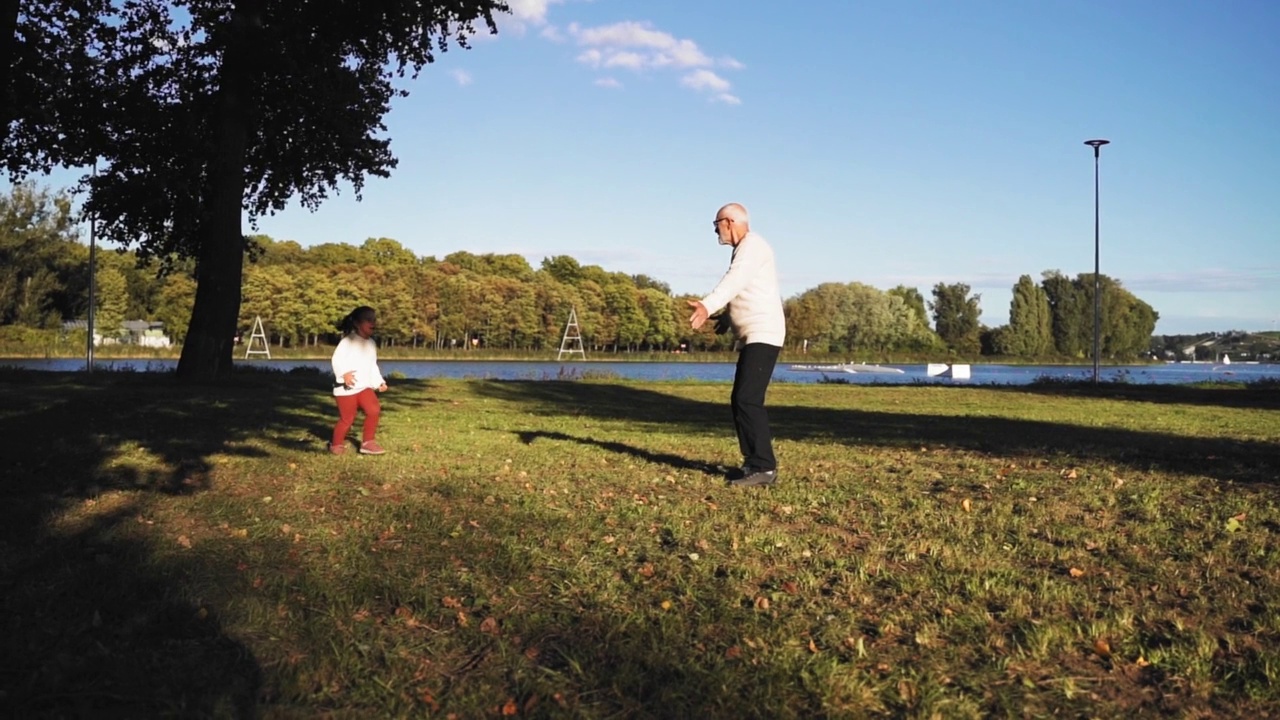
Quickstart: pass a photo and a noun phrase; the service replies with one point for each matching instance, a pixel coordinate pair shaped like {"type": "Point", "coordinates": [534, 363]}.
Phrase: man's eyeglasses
{"type": "Point", "coordinates": [717, 222]}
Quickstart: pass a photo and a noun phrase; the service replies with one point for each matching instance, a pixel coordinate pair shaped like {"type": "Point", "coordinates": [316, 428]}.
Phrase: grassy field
{"type": "Point", "coordinates": [569, 549]}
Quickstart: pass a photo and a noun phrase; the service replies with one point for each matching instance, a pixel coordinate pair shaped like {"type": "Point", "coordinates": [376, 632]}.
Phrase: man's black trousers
{"type": "Point", "coordinates": [750, 382]}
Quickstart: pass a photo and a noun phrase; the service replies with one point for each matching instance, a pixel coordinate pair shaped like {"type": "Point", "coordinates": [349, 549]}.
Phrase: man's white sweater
{"type": "Point", "coordinates": [750, 288]}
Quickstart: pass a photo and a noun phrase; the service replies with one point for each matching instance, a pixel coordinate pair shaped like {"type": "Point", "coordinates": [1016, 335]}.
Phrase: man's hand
{"type": "Point", "coordinates": [349, 379]}
{"type": "Point", "coordinates": [699, 315]}
{"type": "Point", "coordinates": [382, 387]}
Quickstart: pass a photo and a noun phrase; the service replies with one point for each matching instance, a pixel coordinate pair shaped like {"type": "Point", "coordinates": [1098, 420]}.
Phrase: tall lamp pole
{"type": "Point", "coordinates": [1097, 296]}
{"type": "Point", "coordinates": [93, 273]}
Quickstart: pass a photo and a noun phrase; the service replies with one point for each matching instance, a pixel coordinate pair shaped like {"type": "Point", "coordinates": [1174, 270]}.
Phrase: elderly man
{"type": "Point", "coordinates": [750, 288]}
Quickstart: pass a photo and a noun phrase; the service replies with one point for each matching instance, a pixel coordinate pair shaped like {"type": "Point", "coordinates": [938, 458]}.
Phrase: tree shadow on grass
{"type": "Point", "coordinates": [1255, 396]}
{"type": "Point", "coordinates": [1225, 459]}
{"type": "Point", "coordinates": [95, 624]}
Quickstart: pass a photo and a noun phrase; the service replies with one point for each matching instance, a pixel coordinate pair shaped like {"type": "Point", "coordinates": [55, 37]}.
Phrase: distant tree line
{"type": "Point", "coordinates": [467, 300]}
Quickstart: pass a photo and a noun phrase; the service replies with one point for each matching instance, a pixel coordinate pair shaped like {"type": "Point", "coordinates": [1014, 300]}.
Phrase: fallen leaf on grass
{"type": "Point", "coordinates": [908, 692]}
{"type": "Point", "coordinates": [1069, 474]}
{"type": "Point", "coordinates": [733, 653]}
{"type": "Point", "coordinates": [1076, 572]}
{"type": "Point", "coordinates": [1102, 648]}
{"type": "Point", "coordinates": [184, 541]}
{"type": "Point", "coordinates": [789, 587]}
{"type": "Point", "coordinates": [489, 626]}
{"type": "Point", "coordinates": [666, 605]}
{"type": "Point", "coordinates": [813, 647]}
{"type": "Point", "coordinates": [762, 603]}
{"type": "Point", "coordinates": [510, 708]}
{"type": "Point", "coordinates": [451, 602]}
{"type": "Point", "coordinates": [967, 505]}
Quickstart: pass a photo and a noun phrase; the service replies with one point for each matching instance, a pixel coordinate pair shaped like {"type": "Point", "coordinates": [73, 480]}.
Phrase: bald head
{"type": "Point", "coordinates": [732, 224]}
{"type": "Point", "coordinates": [735, 212]}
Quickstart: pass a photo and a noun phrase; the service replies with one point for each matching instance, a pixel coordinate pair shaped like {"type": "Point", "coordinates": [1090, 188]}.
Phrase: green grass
{"type": "Point", "coordinates": [567, 549]}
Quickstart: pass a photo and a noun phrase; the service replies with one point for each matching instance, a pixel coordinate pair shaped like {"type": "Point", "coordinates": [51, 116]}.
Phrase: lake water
{"type": "Point", "coordinates": [718, 372]}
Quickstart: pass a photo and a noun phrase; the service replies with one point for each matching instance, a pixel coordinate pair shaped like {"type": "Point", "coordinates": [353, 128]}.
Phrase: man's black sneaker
{"type": "Point", "coordinates": [752, 478]}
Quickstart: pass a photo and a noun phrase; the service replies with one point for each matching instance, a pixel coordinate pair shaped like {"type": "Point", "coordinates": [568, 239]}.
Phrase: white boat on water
{"type": "Point", "coordinates": [851, 368]}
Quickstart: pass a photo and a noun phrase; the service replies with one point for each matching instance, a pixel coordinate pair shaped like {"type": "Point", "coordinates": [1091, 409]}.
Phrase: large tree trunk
{"type": "Point", "coordinates": [207, 352]}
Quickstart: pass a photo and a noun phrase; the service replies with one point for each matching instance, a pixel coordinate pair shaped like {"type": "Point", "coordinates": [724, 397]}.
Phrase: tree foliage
{"type": "Point", "coordinates": [471, 300]}
{"type": "Point", "coordinates": [202, 111]}
{"type": "Point", "coordinates": [43, 274]}
{"type": "Point", "coordinates": [855, 318]}
{"type": "Point", "coordinates": [1125, 326]}
{"type": "Point", "coordinates": [1030, 329]}
{"type": "Point", "coordinates": [955, 317]}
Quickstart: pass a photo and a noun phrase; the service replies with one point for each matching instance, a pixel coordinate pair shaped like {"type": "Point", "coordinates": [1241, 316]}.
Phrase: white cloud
{"type": "Point", "coordinates": [461, 76]}
{"type": "Point", "coordinates": [638, 46]}
{"type": "Point", "coordinates": [629, 45]}
{"type": "Point", "coordinates": [634, 61]}
{"type": "Point", "coordinates": [526, 13]}
{"type": "Point", "coordinates": [659, 49]}
{"type": "Point", "coordinates": [705, 80]}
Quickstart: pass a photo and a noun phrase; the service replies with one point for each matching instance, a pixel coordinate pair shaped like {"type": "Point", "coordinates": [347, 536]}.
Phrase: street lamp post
{"type": "Point", "coordinates": [1097, 293]}
{"type": "Point", "coordinates": [93, 272]}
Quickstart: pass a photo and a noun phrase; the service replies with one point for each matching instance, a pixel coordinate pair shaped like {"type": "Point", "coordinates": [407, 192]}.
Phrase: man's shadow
{"type": "Point", "coordinates": [675, 461]}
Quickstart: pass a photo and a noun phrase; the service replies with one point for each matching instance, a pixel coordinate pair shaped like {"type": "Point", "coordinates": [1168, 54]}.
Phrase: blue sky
{"type": "Point", "coordinates": [884, 142]}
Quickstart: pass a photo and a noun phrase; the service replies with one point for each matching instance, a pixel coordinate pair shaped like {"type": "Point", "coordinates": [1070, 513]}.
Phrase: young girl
{"type": "Point", "coordinates": [356, 377]}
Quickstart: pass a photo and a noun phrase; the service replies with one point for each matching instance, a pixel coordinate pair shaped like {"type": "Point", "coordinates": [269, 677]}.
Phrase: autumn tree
{"type": "Point", "coordinates": [563, 268]}
{"type": "Point", "coordinates": [173, 304]}
{"type": "Point", "coordinates": [111, 297]}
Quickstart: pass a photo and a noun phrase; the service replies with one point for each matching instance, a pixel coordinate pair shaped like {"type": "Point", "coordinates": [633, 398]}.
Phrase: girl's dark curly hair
{"type": "Point", "coordinates": [348, 323]}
